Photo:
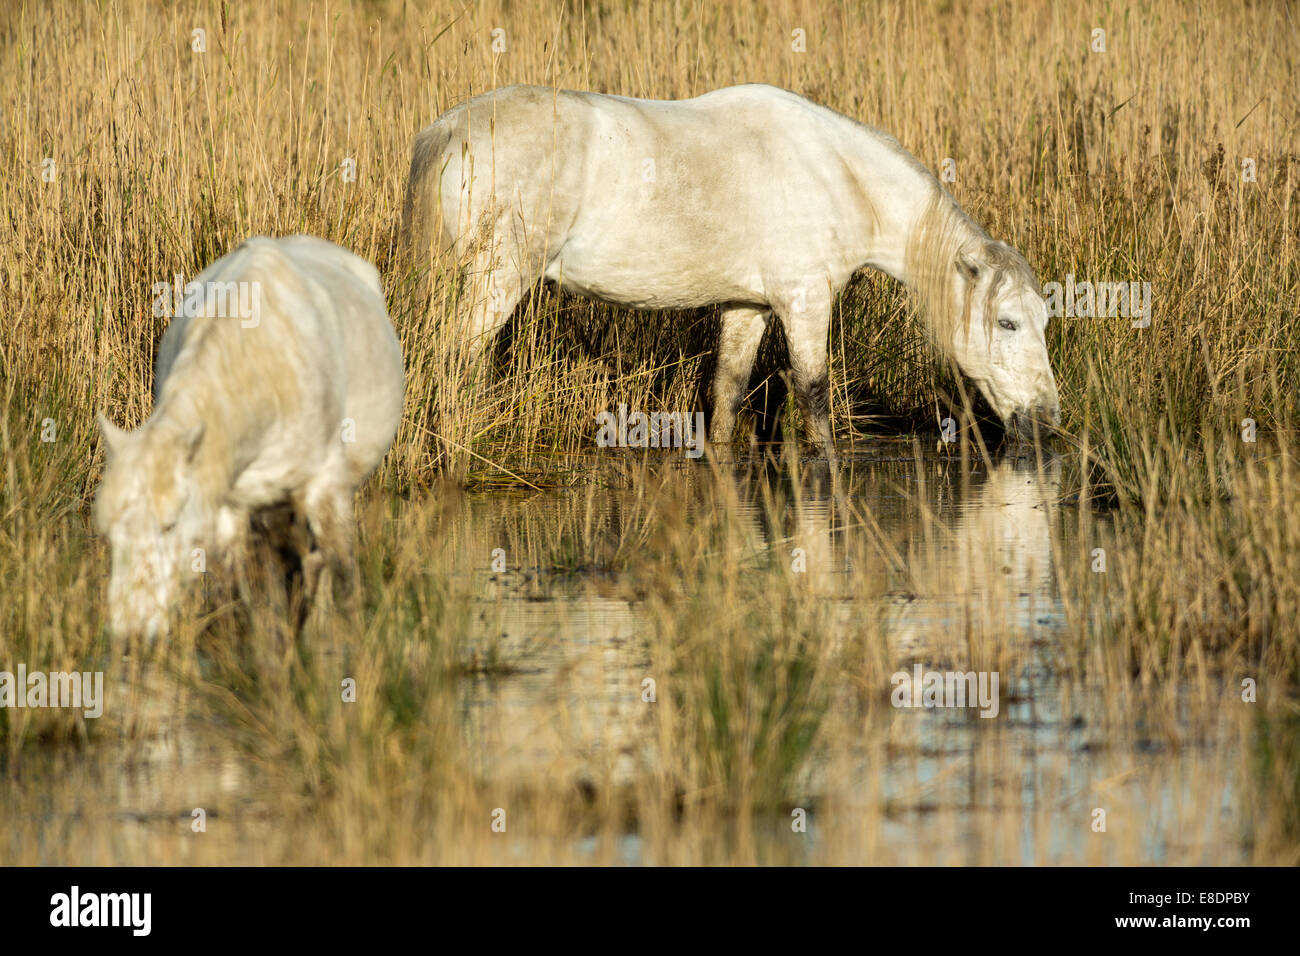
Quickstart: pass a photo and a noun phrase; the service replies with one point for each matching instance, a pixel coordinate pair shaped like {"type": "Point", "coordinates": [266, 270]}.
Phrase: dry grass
{"type": "Point", "coordinates": [772, 688]}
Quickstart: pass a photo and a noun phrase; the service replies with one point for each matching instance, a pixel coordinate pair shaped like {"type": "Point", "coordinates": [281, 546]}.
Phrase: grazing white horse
{"type": "Point", "coordinates": [292, 402]}
{"type": "Point", "coordinates": [749, 197]}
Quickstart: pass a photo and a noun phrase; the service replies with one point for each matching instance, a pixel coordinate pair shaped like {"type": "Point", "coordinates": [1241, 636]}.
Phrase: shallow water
{"type": "Point", "coordinates": [558, 654]}
{"type": "Point", "coordinates": [988, 548]}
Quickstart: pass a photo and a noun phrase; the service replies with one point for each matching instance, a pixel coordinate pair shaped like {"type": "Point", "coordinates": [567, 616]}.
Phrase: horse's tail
{"type": "Point", "coordinates": [423, 234]}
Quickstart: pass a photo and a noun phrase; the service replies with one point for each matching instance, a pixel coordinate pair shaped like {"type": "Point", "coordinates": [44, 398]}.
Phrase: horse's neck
{"type": "Point", "coordinates": [905, 197]}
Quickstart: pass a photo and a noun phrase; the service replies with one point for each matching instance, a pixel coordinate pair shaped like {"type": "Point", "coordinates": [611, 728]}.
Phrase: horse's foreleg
{"type": "Point", "coordinates": [327, 506]}
{"type": "Point", "coordinates": [806, 329]}
{"type": "Point", "coordinates": [742, 331]}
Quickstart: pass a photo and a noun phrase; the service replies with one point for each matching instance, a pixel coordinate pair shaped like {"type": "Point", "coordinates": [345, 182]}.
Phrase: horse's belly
{"type": "Point", "coordinates": [644, 283]}
{"type": "Point", "coordinates": [267, 481]}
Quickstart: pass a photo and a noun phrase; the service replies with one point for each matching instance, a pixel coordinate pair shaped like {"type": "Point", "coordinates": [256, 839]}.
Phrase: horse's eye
{"type": "Point", "coordinates": [1007, 324]}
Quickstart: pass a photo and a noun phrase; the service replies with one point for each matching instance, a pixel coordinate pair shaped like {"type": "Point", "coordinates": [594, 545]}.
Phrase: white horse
{"type": "Point", "coordinates": [749, 197]}
{"type": "Point", "coordinates": [290, 402]}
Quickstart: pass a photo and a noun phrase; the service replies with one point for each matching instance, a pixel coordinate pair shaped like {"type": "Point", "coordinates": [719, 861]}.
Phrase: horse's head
{"type": "Point", "coordinates": [1001, 343]}
{"type": "Point", "coordinates": [150, 508]}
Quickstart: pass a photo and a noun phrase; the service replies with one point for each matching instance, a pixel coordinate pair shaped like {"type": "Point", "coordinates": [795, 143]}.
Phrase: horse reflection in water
{"type": "Point", "coordinates": [575, 700]}
{"type": "Point", "coordinates": [946, 557]}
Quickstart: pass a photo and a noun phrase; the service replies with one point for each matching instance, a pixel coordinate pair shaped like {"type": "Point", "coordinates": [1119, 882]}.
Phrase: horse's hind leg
{"type": "Point", "coordinates": [492, 291]}
{"type": "Point", "coordinates": [742, 331]}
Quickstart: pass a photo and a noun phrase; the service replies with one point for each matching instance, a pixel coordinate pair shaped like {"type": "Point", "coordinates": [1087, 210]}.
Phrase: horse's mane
{"type": "Point", "coordinates": [942, 234]}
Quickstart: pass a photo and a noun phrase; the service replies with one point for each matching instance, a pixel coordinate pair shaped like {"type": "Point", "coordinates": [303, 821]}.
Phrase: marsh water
{"type": "Point", "coordinates": [952, 539]}
{"type": "Point", "coordinates": [556, 664]}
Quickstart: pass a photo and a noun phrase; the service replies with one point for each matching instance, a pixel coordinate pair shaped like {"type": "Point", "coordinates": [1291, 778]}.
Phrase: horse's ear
{"type": "Point", "coordinates": [113, 436]}
{"type": "Point", "coordinates": [968, 266]}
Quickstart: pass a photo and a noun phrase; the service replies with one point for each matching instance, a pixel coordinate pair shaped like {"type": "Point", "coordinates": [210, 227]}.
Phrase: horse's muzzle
{"type": "Point", "coordinates": [1039, 420]}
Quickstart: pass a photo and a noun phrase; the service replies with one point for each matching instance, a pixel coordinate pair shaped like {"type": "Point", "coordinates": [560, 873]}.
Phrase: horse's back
{"type": "Point", "coordinates": [652, 203]}
{"type": "Point", "coordinates": [352, 337]}
{"type": "Point", "coordinates": [519, 135]}
{"type": "Point", "coordinates": [321, 348]}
